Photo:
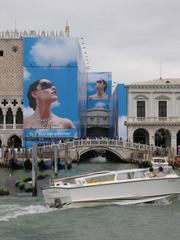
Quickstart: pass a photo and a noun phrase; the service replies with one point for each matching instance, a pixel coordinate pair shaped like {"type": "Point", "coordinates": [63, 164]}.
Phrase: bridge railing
{"type": "Point", "coordinates": [47, 150]}
{"type": "Point", "coordinates": [107, 142]}
{"type": "Point", "coordinates": [99, 142]}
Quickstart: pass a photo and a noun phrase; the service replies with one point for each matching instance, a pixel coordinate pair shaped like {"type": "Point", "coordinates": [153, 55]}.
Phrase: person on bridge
{"type": "Point", "coordinates": [41, 94]}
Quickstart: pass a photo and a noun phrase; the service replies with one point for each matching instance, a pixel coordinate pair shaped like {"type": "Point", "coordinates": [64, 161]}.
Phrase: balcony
{"type": "Point", "coordinates": [145, 121]}
{"type": "Point", "coordinates": [10, 126]}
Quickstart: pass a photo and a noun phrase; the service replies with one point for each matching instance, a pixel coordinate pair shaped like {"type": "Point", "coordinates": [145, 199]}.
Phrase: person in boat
{"type": "Point", "coordinates": [161, 172]}
{"type": "Point", "coordinates": [41, 94]}
{"type": "Point", "coordinates": [151, 172]}
{"type": "Point", "coordinates": [101, 86]}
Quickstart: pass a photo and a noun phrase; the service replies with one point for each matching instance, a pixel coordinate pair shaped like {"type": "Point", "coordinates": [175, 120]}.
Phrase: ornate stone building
{"type": "Point", "coordinates": [11, 90]}
{"type": "Point", "coordinates": [11, 83]}
{"type": "Point", "coordinates": [154, 112]}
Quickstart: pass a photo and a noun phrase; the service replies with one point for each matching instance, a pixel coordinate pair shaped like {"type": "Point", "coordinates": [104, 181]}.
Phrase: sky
{"type": "Point", "coordinates": [136, 40]}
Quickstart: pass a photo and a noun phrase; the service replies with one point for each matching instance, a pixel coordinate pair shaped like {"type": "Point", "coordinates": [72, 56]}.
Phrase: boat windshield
{"type": "Point", "coordinates": [122, 176]}
{"type": "Point", "coordinates": [100, 178]}
{"type": "Point", "coordinates": [140, 174]}
{"type": "Point", "coordinates": [159, 160]}
{"type": "Point", "coordinates": [131, 175]}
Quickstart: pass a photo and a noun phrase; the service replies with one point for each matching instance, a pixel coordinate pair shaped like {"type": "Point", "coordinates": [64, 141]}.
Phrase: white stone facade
{"type": "Point", "coordinates": [97, 122]}
{"type": "Point", "coordinates": [153, 92]}
{"type": "Point", "coordinates": [97, 117]}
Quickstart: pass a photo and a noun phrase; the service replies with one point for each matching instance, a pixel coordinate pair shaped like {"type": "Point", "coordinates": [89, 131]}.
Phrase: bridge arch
{"type": "Point", "coordinates": [104, 151]}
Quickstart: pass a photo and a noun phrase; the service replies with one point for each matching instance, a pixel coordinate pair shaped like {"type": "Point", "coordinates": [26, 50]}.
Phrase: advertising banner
{"type": "Point", "coordinates": [50, 105]}
{"type": "Point", "coordinates": [50, 51]}
{"type": "Point", "coordinates": [122, 111]}
{"type": "Point", "coordinates": [99, 90]}
{"type": "Point", "coordinates": [119, 112]}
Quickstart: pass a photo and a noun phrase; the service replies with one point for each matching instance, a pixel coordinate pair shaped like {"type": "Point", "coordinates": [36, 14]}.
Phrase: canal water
{"type": "Point", "coordinates": [23, 217]}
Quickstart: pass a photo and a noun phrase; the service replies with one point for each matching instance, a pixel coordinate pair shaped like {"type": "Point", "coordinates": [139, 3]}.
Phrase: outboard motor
{"type": "Point", "coordinates": [57, 203]}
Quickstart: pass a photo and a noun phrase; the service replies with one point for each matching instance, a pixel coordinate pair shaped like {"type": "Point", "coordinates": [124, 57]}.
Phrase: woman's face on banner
{"type": "Point", "coordinates": [46, 91]}
{"type": "Point", "coordinates": [100, 85]}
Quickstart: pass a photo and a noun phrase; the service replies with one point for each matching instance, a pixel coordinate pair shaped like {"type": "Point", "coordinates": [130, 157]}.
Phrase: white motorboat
{"type": "Point", "coordinates": [121, 187]}
{"type": "Point", "coordinates": [160, 162]}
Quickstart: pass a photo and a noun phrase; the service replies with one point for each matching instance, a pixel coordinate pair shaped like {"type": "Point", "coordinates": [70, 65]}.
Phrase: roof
{"type": "Point", "coordinates": [157, 82]}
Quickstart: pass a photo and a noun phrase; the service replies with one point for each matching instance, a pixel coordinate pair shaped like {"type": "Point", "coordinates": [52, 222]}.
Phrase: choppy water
{"type": "Point", "coordinates": [24, 217]}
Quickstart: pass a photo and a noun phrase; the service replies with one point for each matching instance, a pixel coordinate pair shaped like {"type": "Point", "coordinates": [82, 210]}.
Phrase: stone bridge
{"type": "Point", "coordinates": [76, 150]}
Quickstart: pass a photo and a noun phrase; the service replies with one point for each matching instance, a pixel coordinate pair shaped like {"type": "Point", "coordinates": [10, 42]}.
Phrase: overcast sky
{"type": "Point", "coordinates": [130, 38]}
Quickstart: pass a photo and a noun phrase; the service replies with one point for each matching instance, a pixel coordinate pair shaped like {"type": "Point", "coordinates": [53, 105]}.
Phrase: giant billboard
{"type": "Point", "coordinates": [119, 112]}
{"type": "Point", "coordinates": [50, 105]}
{"type": "Point", "coordinates": [99, 90]}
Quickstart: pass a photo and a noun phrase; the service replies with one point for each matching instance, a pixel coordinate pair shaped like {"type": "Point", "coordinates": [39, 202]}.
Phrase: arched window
{"type": "Point", "coordinates": [178, 142]}
{"type": "Point", "coordinates": [1, 116]}
{"type": "Point", "coordinates": [19, 116]}
{"type": "Point", "coordinates": [163, 138]}
{"type": "Point", "coordinates": [9, 116]}
{"type": "Point", "coordinates": [141, 136]}
{"type": "Point", "coordinates": [14, 141]}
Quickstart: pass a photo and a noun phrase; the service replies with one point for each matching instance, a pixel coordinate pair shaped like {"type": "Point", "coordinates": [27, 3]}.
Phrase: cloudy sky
{"type": "Point", "coordinates": [130, 38]}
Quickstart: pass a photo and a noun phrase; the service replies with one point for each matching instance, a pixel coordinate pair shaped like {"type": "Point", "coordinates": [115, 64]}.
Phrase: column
{"type": "Point", "coordinates": [152, 103]}
{"type": "Point", "coordinates": [4, 120]}
{"type": "Point", "coordinates": [14, 121]}
{"type": "Point", "coordinates": [174, 141]}
{"type": "Point", "coordinates": [151, 136]}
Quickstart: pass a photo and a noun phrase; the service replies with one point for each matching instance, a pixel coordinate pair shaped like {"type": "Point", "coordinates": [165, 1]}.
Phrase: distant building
{"type": "Point", "coordinates": [154, 112]}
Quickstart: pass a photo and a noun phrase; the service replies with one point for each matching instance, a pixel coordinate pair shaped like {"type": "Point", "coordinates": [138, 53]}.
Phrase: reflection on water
{"type": "Point", "coordinates": [98, 159]}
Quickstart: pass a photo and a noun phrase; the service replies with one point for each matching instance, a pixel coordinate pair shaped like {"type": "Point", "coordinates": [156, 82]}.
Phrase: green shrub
{"type": "Point", "coordinates": [4, 192]}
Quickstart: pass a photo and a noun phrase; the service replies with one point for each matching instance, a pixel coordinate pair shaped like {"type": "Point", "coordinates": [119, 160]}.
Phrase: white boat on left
{"type": "Point", "coordinates": [121, 187]}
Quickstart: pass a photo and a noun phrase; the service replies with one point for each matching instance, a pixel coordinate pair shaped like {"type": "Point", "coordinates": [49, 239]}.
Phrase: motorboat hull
{"type": "Point", "coordinates": [122, 193]}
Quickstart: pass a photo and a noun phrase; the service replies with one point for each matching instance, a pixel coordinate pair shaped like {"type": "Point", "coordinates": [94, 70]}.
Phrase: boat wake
{"type": "Point", "coordinates": [8, 212]}
{"type": "Point", "coordinates": [160, 202]}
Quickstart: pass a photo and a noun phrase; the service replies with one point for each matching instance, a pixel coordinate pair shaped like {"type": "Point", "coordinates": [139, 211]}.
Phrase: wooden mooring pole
{"type": "Point", "coordinates": [66, 153]}
{"type": "Point", "coordinates": [34, 170]}
{"type": "Point", "coordinates": [55, 160]}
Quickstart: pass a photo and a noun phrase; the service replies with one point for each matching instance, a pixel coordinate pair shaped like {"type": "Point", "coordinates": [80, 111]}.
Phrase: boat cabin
{"type": "Point", "coordinates": [112, 177]}
{"type": "Point", "coordinates": [160, 162]}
